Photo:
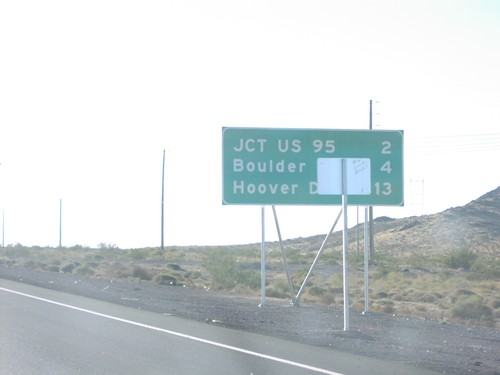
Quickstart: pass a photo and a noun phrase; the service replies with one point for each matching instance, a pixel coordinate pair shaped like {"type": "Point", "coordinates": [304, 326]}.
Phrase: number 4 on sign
{"type": "Point", "coordinates": [386, 167]}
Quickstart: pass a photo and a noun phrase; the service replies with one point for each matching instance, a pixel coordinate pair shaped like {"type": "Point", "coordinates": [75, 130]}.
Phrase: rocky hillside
{"type": "Point", "coordinates": [475, 226]}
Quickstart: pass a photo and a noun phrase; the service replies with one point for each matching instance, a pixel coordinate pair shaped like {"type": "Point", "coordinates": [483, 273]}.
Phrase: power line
{"type": "Point", "coordinates": [453, 143]}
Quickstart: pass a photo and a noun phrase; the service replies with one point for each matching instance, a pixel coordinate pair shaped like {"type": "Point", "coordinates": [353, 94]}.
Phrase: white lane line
{"type": "Point", "coordinates": [178, 334]}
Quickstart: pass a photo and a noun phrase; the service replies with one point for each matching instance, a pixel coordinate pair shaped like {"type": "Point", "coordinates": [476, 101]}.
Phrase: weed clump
{"type": "Point", "coordinates": [141, 273]}
{"type": "Point", "coordinates": [85, 270]}
{"type": "Point", "coordinates": [166, 279]}
{"type": "Point", "coordinates": [227, 272]}
{"type": "Point", "coordinates": [483, 269]}
{"type": "Point", "coordinates": [462, 258]}
{"type": "Point", "coordinates": [67, 268]}
{"type": "Point", "coordinates": [472, 307]}
{"type": "Point", "coordinates": [384, 305]}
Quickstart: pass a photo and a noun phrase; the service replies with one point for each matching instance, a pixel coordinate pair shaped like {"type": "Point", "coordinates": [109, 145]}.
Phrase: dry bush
{"type": "Point", "coordinates": [165, 279]}
{"type": "Point", "coordinates": [278, 289]}
{"type": "Point", "coordinates": [472, 307]}
{"type": "Point", "coordinates": [141, 273]}
{"type": "Point", "coordinates": [118, 270]}
{"type": "Point", "coordinates": [85, 270]}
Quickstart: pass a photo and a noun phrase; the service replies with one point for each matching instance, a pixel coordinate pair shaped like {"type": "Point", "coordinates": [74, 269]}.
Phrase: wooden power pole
{"type": "Point", "coordinates": [162, 201]}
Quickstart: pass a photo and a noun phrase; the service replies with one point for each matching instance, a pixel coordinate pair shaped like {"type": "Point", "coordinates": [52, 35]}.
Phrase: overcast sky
{"type": "Point", "coordinates": [92, 92]}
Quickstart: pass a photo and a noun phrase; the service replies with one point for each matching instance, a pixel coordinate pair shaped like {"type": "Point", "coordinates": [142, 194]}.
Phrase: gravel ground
{"type": "Point", "coordinates": [446, 348]}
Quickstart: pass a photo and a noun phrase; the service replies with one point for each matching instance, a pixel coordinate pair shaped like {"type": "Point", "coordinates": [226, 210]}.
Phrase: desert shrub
{"type": "Point", "coordinates": [461, 293]}
{"type": "Point", "coordinates": [193, 275]}
{"type": "Point", "coordinates": [331, 257]}
{"type": "Point", "coordinates": [398, 297]}
{"type": "Point", "coordinates": [483, 269]}
{"type": "Point", "coordinates": [166, 279]}
{"type": "Point", "coordinates": [250, 278]}
{"type": "Point", "coordinates": [141, 273]}
{"type": "Point", "coordinates": [385, 267]}
{"type": "Point", "coordinates": [53, 268]}
{"type": "Point", "coordinates": [17, 250]}
{"type": "Point", "coordinates": [298, 278]}
{"type": "Point", "coordinates": [293, 255]}
{"type": "Point", "coordinates": [31, 264]}
{"type": "Point", "coordinates": [85, 270]}
{"type": "Point", "coordinates": [327, 298]}
{"type": "Point", "coordinates": [428, 298]}
{"type": "Point", "coordinates": [278, 289]}
{"type": "Point", "coordinates": [118, 270]}
{"type": "Point", "coordinates": [318, 294]}
{"type": "Point", "coordinates": [8, 262]}
{"type": "Point", "coordinates": [137, 254]}
{"type": "Point", "coordinates": [445, 274]}
{"type": "Point", "coordinates": [174, 267]}
{"type": "Point", "coordinates": [67, 268]}
{"type": "Point", "coordinates": [56, 262]}
{"type": "Point", "coordinates": [471, 307]}
{"type": "Point", "coordinates": [316, 291]}
{"type": "Point", "coordinates": [222, 267]}
{"type": "Point", "coordinates": [462, 258]}
{"type": "Point", "coordinates": [226, 272]}
{"type": "Point", "coordinates": [384, 305]}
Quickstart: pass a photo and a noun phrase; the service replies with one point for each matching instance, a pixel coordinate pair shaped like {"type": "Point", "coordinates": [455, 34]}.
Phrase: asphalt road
{"type": "Point", "coordinates": [44, 331]}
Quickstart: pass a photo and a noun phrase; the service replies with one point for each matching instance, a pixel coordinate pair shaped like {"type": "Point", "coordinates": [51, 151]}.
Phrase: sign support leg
{"type": "Point", "coordinates": [345, 255]}
{"type": "Point", "coordinates": [263, 262]}
{"type": "Point", "coordinates": [309, 273]}
{"type": "Point", "coordinates": [290, 284]}
{"type": "Point", "coordinates": [366, 260]}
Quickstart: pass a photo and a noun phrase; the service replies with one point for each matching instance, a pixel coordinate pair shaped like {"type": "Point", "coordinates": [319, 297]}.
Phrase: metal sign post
{"type": "Point", "coordinates": [345, 241]}
{"type": "Point", "coordinates": [366, 259]}
{"type": "Point", "coordinates": [290, 284]}
{"type": "Point", "coordinates": [263, 262]}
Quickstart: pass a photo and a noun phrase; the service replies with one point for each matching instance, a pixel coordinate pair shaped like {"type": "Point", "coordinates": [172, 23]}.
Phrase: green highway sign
{"type": "Point", "coordinates": [271, 166]}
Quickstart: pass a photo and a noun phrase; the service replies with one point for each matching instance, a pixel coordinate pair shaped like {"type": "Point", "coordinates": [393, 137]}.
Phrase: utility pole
{"type": "Point", "coordinates": [3, 228]}
{"type": "Point", "coordinates": [60, 223]}
{"type": "Point", "coordinates": [370, 209]}
{"type": "Point", "coordinates": [162, 200]}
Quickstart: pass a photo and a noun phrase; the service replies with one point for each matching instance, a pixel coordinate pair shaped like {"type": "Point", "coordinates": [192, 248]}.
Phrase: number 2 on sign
{"type": "Point", "coordinates": [385, 189]}
{"type": "Point", "coordinates": [386, 149]}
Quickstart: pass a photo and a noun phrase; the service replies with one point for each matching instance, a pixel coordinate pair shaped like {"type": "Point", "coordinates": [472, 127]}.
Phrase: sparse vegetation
{"type": "Point", "coordinates": [461, 286]}
{"type": "Point", "coordinates": [418, 270]}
